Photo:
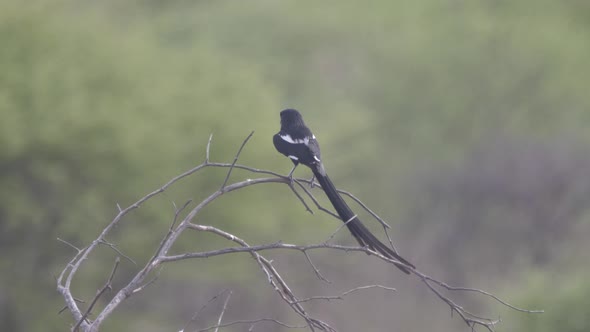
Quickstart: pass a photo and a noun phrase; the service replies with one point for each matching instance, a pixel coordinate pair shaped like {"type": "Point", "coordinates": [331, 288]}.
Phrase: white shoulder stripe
{"type": "Point", "coordinates": [287, 138]}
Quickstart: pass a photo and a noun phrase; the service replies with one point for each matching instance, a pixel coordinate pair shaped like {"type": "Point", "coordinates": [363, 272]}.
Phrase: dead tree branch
{"type": "Point", "coordinates": [107, 286]}
{"type": "Point", "coordinates": [160, 257]}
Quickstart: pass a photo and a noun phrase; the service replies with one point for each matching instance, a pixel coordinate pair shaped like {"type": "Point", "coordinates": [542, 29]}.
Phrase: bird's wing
{"type": "Point", "coordinates": [314, 150]}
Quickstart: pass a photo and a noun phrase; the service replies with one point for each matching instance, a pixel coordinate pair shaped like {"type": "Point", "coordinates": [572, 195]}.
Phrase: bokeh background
{"type": "Point", "coordinates": [465, 124]}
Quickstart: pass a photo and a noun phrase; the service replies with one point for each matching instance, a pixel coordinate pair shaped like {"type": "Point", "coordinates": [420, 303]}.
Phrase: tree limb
{"type": "Point", "coordinates": [273, 277]}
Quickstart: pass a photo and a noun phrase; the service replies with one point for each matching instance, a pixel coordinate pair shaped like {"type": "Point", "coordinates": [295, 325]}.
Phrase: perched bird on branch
{"type": "Point", "coordinates": [296, 141]}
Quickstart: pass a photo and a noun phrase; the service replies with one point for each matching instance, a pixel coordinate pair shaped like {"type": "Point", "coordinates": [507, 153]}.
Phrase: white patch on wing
{"type": "Point", "coordinates": [287, 138]}
{"type": "Point", "coordinates": [293, 157]}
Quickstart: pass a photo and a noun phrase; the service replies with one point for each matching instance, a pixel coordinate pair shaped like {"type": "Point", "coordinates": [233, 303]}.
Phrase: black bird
{"type": "Point", "coordinates": [298, 143]}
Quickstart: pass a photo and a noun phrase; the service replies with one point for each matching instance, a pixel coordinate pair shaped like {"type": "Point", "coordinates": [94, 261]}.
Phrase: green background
{"type": "Point", "coordinates": [465, 124]}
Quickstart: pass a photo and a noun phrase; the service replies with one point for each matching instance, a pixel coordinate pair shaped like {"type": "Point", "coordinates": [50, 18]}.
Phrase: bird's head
{"type": "Point", "coordinates": [291, 118]}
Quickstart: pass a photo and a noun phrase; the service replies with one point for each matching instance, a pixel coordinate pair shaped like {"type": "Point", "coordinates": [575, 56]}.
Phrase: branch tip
{"type": "Point", "coordinates": [207, 149]}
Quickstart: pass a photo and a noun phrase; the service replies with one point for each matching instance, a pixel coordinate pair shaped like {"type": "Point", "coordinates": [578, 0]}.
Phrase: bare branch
{"type": "Point", "coordinates": [315, 201]}
{"type": "Point", "coordinates": [341, 296]}
{"type": "Point", "coordinates": [236, 159]}
{"type": "Point", "coordinates": [147, 284]}
{"type": "Point", "coordinates": [253, 322]}
{"type": "Point", "coordinates": [275, 280]}
{"type": "Point", "coordinates": [69, 244]}
{"type": "Point", "coordinates": [472, 320]}
{"type": "Point", "coordinates": [365, 207]}
{"type": "Point", "coordinates": [166, 238]}
{"type": "Point", "coordinates": [178, 211]}
{"type": "Point", "coordinates": [107, 286]}
{"type": "Point", "coordinates": [488, 294]}
{"type": "Point", "coordinates": [339, 228]}
{"type": "Point", "coordinates": [358, 201]}
{"type": "Point", "coordinates": [207, 150]}
{"type": "Point", "coordinates": [165, 245]}
{"type": "Point", "coordinates": [315, 269]}
{"type": "Point", "coordinates": [66, 307]}
{"type": "Point", "coordinates": [223, 311]}
{"type": "Point", "coordinates": [468, 317]}
{"type": "Point", "coordinates": [298, 196]}
{"type": "Point", "coordinates": [389, 240]}
{"type": "Point", "coordinates": [273, 276]}
{"type": "Point", "coordinates": [112, 246]}
{"type": "Point", "coordinates": [198, 312]}
{"type": "Point", "coordinates": [74, 264]}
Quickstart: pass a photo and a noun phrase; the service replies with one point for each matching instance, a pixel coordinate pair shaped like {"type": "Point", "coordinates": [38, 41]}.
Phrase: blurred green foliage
{"type": "Point", "coordinates": [567, 304]}
{"type": "Point", "coordinates": [102, 102]}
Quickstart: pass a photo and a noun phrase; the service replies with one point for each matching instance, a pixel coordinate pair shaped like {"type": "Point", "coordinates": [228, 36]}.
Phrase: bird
{"type": "Point", "coordinates": [296, 141]}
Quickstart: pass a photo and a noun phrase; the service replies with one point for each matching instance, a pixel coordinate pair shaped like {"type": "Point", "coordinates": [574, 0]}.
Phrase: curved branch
{"type": "Point", "coordinates": [160, 256]}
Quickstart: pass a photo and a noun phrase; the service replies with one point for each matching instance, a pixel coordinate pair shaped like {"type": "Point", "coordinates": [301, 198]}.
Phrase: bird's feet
{"type": "Point", "coordinates": [290, 176]}
{"type": "Point", "coordinates": [291, 180]}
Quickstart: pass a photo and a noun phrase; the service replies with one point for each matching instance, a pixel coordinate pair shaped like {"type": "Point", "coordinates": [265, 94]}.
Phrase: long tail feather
{"type": "Point", "coordinates": [355, 226]}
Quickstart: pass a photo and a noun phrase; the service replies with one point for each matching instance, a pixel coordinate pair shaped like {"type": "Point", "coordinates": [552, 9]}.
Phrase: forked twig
{"type": "Point", "coordinates": [198, 312]}
{"type": "Point", "coordinates": [107, 286]}
{"type": "Point", "coordinates": [155, 264]}
{"type": "Point", "coordinates": [236, 159]}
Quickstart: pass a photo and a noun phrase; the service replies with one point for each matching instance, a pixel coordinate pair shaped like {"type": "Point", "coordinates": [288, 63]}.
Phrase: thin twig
{"type": "Point", "coordinates": [341, 296]}
{"type": "Point", "coordinates": [254, 321]}
{"type": "Point", "coordinates": [315, 269]}
{"type": "Point", "coordinates": [339, 228]}
{"type": "Point", "coordinates": [198, 312]}
{"type": "Point", "coordinates": [69, 244]}
{"type": "Point", "coordinates": [469, 321]}
{"type": "Point", "coordinates": [389, 239]}
{"type": "Point", "coordinates": [366, 208]}
{"type": "Point", "coordinates": [164, 241]}
{"type": "Point", "coordinates": [274, 278]}
{"type": "Point", "coordinates": [236, 159]}
{"type": "Point", "coordinates": [147, 284]}
{"type": "Point", "coordinates": [480, 291]}
{"type": "Point", "coordinates": [223, 311]}
{"type": "Point", "coordinates": [315, 201]}
{"type": "Point", "coordinates": [107, 286]}
{"type": "Point", "coordinates": [66, 307]}
{"type": "Point", "coordinates": [298, 195]}
{"type": "Point", "coordinates": [207, 149]}
{"type": "Point", "coordinates": [112, 246]}
{"type": "Point", "coordinates": [177, 212]}
{"type": "Point", "coordinates": [354, 198]}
